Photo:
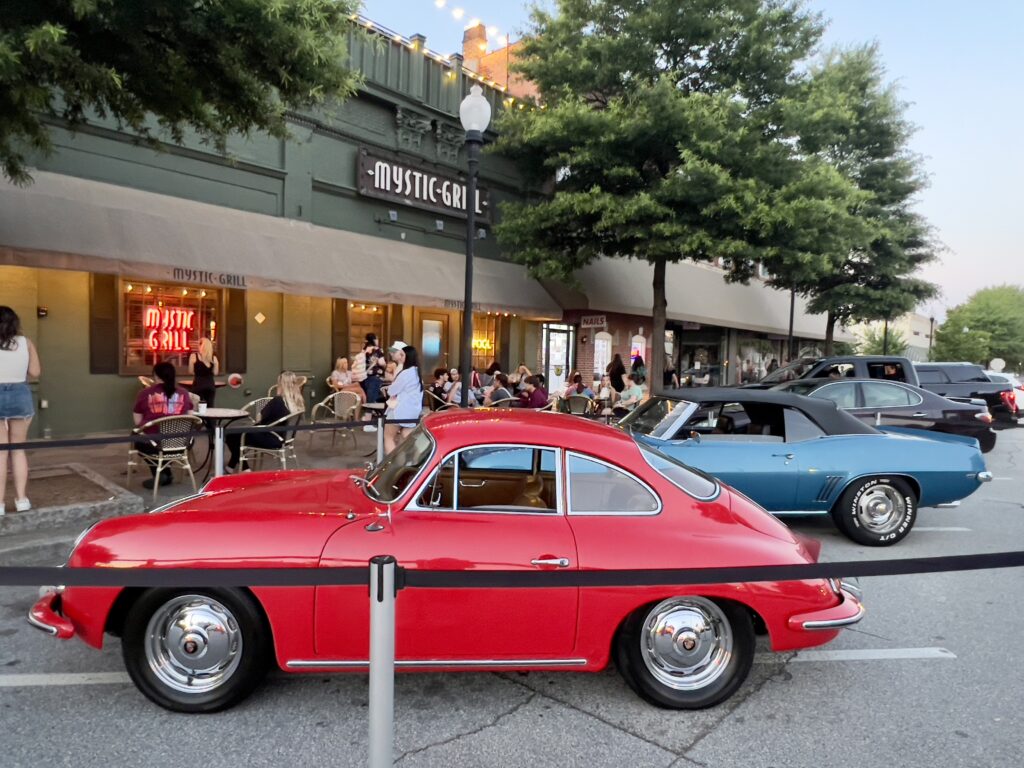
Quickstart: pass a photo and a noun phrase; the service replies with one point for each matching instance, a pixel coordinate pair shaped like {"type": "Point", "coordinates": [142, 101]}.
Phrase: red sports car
{"type": "Point", "coordinates": [476, 491]}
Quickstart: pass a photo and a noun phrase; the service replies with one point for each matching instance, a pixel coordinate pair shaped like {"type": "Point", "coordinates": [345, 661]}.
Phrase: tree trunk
{"type": "Point", "coordinates": [830, 333]}
{"type": "Point", "coordinates": [885, 337]}
{"type": "Point", "coordinates": [789, 338]}
{"type": "Point", "coordinates": [656, 357]}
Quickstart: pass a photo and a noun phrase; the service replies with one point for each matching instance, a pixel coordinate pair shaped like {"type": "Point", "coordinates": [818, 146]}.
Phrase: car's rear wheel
{"type": "Point", "coordinates": [686, 652]}
{"type": "Point", "coordinates": [876, 511]}
{"type": "Point", "coordinates": [196, 650]}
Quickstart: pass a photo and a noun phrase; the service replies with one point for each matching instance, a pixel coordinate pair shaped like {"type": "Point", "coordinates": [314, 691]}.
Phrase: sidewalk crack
{"type": "Point", "coordinates": [497, 719]}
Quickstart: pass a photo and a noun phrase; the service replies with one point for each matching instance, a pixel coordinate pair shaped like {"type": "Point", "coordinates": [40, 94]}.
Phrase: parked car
{"type": "Point", "coordinates": [958, 381]}
{"type": "Point", "coordinates": [1001, 377]}
{"type": "Point", "coordinates": [797, 455]}
{"type": "Point", "coordinates": [483, 491]}
{"type": "Point", "coordinates": [966, 380]}
{"type": "Point", "coordinates": [892, 404]}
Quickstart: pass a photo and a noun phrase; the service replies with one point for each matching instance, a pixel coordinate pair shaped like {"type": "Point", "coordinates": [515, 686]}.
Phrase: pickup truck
{"type": "Point", "coordinates": [957, 381]}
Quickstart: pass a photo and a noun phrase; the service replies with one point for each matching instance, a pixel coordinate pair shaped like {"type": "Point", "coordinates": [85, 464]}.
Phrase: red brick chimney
{"type": "Point", "coordinates": [474, 46]}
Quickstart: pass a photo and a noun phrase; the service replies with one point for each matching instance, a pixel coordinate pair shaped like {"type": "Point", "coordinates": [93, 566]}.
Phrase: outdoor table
{"type": "Point", "coordinates": [215, 419]}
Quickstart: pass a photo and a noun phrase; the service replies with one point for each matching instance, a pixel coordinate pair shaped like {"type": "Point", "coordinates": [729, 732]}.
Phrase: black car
{"type": "Point", "coordinates": [893, 404]}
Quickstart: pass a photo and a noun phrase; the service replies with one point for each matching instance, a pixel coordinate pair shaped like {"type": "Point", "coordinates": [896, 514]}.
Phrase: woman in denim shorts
{"type": "Point", "coordinates": [18, 361]}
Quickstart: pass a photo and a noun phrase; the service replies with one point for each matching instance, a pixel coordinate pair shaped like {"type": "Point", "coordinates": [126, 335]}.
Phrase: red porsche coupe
{"type": "Point", "coordinates": [476, 491]}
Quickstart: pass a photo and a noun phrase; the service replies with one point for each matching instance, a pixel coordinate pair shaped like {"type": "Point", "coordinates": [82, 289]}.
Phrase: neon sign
{"type": "Point", "coordinates": [168, 330]}
{"type": "Point", "coordinates": [482, 344]}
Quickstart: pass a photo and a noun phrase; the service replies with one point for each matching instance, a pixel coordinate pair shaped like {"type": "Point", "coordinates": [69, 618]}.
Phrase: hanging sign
{"type": "Point", "coordinates": [416, 186]}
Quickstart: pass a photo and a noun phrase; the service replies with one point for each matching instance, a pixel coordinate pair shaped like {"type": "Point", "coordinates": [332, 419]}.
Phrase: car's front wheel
{"type": "Point", "coordinates": [196, 650]}
{"type": "Point", "coordinates": [876, 511]}
{"type": "Point", "coordinates": [686, 652]}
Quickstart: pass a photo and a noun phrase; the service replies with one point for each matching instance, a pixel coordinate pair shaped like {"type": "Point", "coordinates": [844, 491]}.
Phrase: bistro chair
{"type": "Point", "coordinates": [171, 453]}
{"type": "Point", "coordinates": [580, 405]}
{"type": "Point", "coordinates": [432, 401]}
{"type": "Point", "coordinates": [337, 408]}
{"type": "Point", "coordinates": [255, 407]}
{"type": "Point", "coordinates": [146, 381]}
{"type": "Point", "coordinates": [284, 443]}
{"type": "Point", "coordinates": [504, 403]}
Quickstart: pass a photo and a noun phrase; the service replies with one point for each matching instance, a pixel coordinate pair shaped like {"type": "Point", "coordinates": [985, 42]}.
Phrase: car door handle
{"type": "Point", "coordinates": [468, 484]}
{"type": "Point", "coordinates": [786, 456]}
{"type": "Point", "coordinates": [561, 562]}
{"type": "Point", "coordinates": [919, 415]}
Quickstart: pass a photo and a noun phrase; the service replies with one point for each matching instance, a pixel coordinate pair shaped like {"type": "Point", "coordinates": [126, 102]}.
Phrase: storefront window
{"type": "Point", "coordinates": [638, 348]}
{"type": "Point", "coordinates": [755, 357]}
{"type": "Point", "coordinates": [485, 340]}
{"type": "Point", "coordinates": [164, 322]}
{"type": "Point", "coordinates": [364, 319]}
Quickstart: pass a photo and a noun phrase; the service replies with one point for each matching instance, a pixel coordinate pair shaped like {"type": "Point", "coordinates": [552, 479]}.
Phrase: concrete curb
{"type": "Point", "coordinates": [121, 502]}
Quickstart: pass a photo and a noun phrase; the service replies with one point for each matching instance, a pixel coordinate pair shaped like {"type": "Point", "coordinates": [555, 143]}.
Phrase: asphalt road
{"type": "Point", "coordinates": [932, 676]}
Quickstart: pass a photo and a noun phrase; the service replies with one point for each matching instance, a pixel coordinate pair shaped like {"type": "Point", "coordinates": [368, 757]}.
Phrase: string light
{"type": "Point", "coordinates": [439, 3]}
{"type": "Point", "coordinates": [458, 13]}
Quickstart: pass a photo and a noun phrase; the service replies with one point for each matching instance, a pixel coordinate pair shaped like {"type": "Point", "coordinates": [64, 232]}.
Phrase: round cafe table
{"type": "Point", "coordinates": [215, 419]}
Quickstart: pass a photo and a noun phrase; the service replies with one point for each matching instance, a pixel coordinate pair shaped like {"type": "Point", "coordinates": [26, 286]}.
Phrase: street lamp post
{"type": "Point", "coordinates": [475, 114]}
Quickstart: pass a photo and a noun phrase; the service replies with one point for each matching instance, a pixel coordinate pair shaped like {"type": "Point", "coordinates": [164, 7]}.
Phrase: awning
{"type": "Point", "coordinates": [695, 293]}
{"type": "Point", "coordinates": [65, 222]}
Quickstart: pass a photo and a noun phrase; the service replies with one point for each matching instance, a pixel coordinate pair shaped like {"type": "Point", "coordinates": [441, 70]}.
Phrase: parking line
{"type": "Point", "coordinates": [874, 654]}
{"type": "Point", "coordinates": [939, 528]}
{"type": "Point", "coordinates": [63, 678]}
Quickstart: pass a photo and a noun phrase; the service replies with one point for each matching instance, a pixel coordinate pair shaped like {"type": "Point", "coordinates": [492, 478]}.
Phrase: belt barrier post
{"type": "Point", "coordinates": [380, 439]}
{"type": "Point", "coordinates": [382, 660]}
{"type": "Point", "coordinates": [218, 450]}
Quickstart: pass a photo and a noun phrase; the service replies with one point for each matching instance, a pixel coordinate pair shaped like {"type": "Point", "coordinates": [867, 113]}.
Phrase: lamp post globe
{"type": "Point", "coordinates": [475, 115]}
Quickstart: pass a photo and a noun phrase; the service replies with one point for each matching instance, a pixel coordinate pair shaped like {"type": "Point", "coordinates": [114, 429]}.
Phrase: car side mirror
{"type": "Point", "coordinates": [695, 435]}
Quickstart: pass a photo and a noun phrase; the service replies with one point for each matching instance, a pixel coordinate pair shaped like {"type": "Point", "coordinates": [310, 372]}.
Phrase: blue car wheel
{"type": "Point", "coordinates": [876, 511]}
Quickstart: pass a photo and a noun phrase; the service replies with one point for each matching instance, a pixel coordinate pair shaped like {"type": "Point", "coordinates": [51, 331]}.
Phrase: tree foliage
{"type": "Point", "coordinates": [994, 323]}
{"type": "Point", "coordinates": [875, 343]}
{"type": "Point", "coordinates": [847, 115]}
{"type": "Point", "coordinates": [212, 67]}
{"type": "Point", "coordinates": [664, 137]}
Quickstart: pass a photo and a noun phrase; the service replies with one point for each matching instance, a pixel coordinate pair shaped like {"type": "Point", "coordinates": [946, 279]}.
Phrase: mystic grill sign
{"type": "Point", "coordinates": [416, 186]}
{"type": "Point", "coordinates": [169, 329]}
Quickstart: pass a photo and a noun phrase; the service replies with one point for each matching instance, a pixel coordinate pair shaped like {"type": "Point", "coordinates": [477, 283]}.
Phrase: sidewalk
{"type": "Point", "coordinates": [50, 489]}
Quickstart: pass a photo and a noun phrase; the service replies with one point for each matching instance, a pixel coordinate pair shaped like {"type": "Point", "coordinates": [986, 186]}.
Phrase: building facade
{"type": "Point", "coordinates": [286, 253]}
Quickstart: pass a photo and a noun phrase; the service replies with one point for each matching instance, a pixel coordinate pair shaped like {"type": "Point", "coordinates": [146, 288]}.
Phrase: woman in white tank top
{"type": "Point", "coordinates": [18, 361]}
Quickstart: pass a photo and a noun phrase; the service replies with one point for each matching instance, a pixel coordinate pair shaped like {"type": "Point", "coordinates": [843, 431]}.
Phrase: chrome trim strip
{"type": "Point", "coordinates": [422, 663]}
{"type": "Point", "coordinates": [837, 623]}
{"type": "Point", "coordinates": [948, 505]}
{"type": "Point", "coordinates": [809, 512]}
{"type": "Point", "coordinates": [52, 631]}
{"type": "Point", "coordinates": [984, 477]}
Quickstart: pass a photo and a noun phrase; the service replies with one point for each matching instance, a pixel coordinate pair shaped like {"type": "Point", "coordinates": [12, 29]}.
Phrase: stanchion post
{"type": "Point", "coordinates": [382, 660]}
{"type": "Point", "coordinates": [380, 439]}
{"type": "Point", "coordinates": [218, 450]}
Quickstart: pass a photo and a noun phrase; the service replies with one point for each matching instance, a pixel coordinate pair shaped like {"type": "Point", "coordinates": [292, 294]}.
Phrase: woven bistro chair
{"type": "Point", "coordinates": [255, 407]}
{"type": "Point", "coordinates": [580, 405]}
{"type": "Point", "coordinates": [432, 401]}
{"type": "Point", "coordinates": [337, 408]}
{"type": "Point", "coordinates": [285, 444]}
{"type": "Point", "coordinates": [505, 403]}
{"type": "Point", "coordinates": [172, 452]}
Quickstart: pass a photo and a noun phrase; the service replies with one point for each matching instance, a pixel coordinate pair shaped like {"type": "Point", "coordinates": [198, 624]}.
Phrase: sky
{"type": "Point", "coordinates": [960, 66]}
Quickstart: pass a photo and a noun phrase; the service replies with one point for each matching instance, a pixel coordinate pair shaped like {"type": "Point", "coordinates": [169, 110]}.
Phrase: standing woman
{"type": "Point", "coordinates": [18, 361]}
{"type": "Point", "coordinates": [405, 396]}
{"type": "Point", "coordinates": [204, 365]}
{"type": "Point", "coordinates": [616, 371]}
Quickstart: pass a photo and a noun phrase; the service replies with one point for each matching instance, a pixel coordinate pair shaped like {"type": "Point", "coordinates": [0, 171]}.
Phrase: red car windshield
{"type": "Point", "coordinates": [392, 477]}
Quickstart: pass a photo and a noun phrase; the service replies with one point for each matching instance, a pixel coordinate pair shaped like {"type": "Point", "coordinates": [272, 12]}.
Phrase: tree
{"type": "Point", "coordinates": [989, 324]}
{"type": "Point", "coordinates": [875, 343]}
{"type": "Point", "coordinates": [662, 137]}
{"type": "Point", "coordinates": [212, 67]}
{"type": "Point", "coordinates": [849, 117]}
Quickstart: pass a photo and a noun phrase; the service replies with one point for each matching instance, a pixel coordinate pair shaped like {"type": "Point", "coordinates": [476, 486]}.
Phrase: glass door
{"type": "Point", "coordinates": [559, 342]}
{"type": "Point", "coordinates": [433, 343]}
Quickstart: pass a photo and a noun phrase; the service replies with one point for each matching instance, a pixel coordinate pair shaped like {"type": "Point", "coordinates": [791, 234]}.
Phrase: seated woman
{"type": "Point", "coordinates": [499, 391]}
{"type": "Point", "coordinates": [454, 395]}
{"type": "Point", "coordinates": [341, 380]}
{"type": "Point", "coordinates": [165, 398]}
{"type": "Point", "coordinates": [288, 400]}
{"type": "Point", "coordinates": [577, 387]}
{"type": "Point", "coordinates": [438, 388]}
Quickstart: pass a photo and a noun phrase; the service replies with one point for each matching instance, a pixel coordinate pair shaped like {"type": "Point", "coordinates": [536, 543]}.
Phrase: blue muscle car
{"type": "Point", "coordinates": [797, 455]}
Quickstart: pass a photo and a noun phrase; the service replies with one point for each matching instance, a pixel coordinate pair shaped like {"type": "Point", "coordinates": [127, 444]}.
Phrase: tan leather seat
{"type": "Point", "coordinates": [530, 496]}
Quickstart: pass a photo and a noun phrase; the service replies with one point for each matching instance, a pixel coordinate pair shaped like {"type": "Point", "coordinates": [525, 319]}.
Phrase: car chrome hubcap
{"type": "Point", "coordinates": [686, 643]}
{"type": "Point", "coordinates": [193, 644]}
{"type": "Point", "coordinates": [881, 509]}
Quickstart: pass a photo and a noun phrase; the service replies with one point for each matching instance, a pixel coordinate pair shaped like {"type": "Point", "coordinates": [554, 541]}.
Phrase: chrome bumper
{"type": "Point", "coordinates": [984, 477]}
{"type": "Point", "coordinates": [45, 616]}
{"type": "Point", "coordinates": [848, 612]}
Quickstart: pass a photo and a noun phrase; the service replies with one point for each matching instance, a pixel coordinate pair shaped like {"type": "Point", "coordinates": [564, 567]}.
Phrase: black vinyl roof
{"type": "Point", "coordinates": [823, 412]}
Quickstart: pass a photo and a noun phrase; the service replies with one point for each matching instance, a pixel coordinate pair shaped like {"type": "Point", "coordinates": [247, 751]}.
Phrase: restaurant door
{"type": "Point", "coordinates": [432, 341]}
{"type": "Point", "coordinates": [559, 342]}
